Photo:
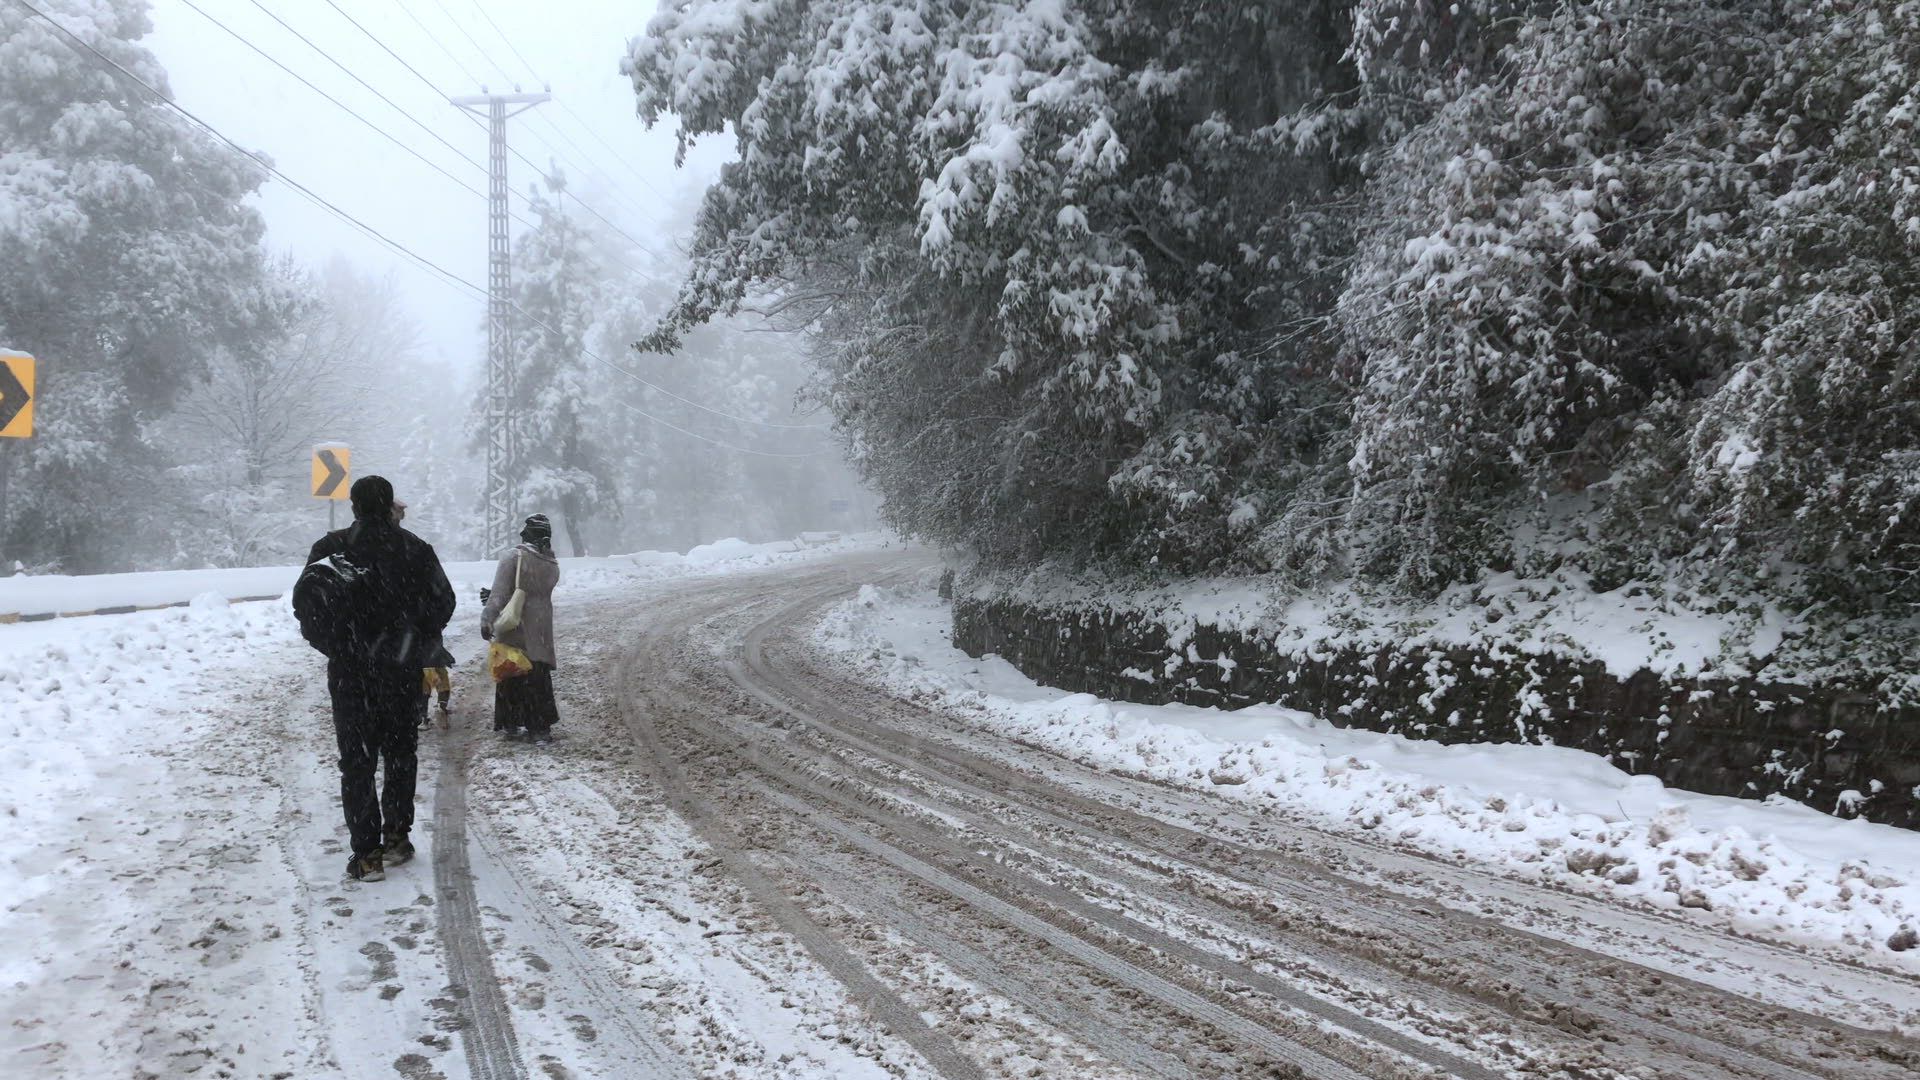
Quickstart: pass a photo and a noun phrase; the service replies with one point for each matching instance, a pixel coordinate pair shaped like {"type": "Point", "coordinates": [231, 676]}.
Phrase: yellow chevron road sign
{"type": "Point", "coordinates": [331, 469]}
{"type": "Point", "coordinates": [16, 394]}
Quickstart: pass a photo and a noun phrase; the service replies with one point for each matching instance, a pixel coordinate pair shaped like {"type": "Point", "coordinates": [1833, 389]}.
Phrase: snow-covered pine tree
{"type": "Point", "coordinates": [558, 276]}
{"type": "Point", "coordinates": [131, 259]}
{"type": "Point", "coordinates": [1657, 268]}
{"type": "Point", "coordinates": [1035, 234]}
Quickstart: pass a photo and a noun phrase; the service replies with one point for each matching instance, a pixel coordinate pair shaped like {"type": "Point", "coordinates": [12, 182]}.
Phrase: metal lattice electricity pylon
{"type": "Point", "coordinates": [503, 444]}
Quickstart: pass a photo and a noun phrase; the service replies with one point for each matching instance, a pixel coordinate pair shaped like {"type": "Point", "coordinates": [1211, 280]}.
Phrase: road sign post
{"type": "Point", "coordinates": [332, 473]}
{"type": "Point", "coordinates": [16, 394]}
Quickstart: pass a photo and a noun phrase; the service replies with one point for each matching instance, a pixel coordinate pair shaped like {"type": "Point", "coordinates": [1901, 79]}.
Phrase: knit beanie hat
{"type": "Point", "coordinates": [537, 530]}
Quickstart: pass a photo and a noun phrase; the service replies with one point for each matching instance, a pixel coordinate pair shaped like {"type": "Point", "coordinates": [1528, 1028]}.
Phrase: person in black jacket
{"type": "Point", "coordinates": [374, 676]}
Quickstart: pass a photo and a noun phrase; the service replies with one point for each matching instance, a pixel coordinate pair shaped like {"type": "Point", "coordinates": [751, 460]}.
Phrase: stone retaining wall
{"type": "Point", "coordinates": [1829, 747]}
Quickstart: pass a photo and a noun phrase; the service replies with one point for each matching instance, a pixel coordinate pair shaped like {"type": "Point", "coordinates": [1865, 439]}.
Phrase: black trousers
{"type": "Point", "coordinates": [526, 701]}
{"type": "Point", "coordinates": [373, 720]}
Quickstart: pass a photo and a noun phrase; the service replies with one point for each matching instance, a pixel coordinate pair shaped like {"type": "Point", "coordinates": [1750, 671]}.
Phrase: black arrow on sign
{"type": "Point", "coordinates": [13, 396]}
{"type": "Point", "coordinates": [336, 472]}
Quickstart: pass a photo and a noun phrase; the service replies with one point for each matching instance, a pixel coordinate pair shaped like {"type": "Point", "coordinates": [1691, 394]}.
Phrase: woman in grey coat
{"type": "Point", "coordinates": [523, 707]}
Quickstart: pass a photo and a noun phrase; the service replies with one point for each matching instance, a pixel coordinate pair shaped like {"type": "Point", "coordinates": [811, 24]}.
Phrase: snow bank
{"type": "Point", "coordinates": [1628, 629]}
{"type": "Point", "coordinates": [60, 594]}
{"type": "Point", "coordinates": [1548, 813]}
{"type": "Point", "coordinates": [71, 692]}
{"type": "Point", "coordinates": [733, 549]}
{"type": "Point", "coordinates": [23, 595]}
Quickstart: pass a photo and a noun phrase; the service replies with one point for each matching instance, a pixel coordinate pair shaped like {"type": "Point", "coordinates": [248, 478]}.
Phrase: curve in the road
{"type": "Point", "coordinates": [1185, 996]}
{"type": "Point", "coordinates": [778, 689]}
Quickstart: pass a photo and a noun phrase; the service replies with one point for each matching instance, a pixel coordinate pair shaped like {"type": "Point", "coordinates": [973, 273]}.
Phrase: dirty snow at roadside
{"type": "Point", "coordinates": [1775, 868]}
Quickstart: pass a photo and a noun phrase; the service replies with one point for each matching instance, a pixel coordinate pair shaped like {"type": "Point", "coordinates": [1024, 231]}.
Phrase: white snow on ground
{"type": "Point", "coordinates": [29, 595]}
{"type": "Point", "coordinates": [611, 866]}
{"type": "Point", "coordinates": [1773, 868]}
{"type": "Point", "coordinates": [171, 848]}
{"type": "Point", "coordinates": [1626, 629]}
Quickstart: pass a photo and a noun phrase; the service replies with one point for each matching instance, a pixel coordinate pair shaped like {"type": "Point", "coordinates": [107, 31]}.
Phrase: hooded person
{"type": "Point", "coordinates": [389, 611]}
{"type": "Point", "coordinates": [523, 706]}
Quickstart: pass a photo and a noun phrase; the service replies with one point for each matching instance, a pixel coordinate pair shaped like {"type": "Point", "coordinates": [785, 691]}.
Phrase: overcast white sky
{"type": "Point", "coordinates": [574, 45]}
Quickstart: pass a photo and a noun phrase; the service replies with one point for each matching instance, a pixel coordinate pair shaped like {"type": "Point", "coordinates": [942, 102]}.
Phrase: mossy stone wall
{"type": "Point", "coordinates": [1830, 747]}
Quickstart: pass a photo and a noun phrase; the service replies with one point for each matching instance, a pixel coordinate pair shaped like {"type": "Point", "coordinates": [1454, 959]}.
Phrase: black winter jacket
{"type": "Point", "coordinates": [415, 601]}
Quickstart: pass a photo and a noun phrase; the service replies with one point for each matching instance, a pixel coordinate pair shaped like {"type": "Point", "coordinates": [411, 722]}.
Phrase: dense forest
{"type": "Point", "coordinates": [1388, 291]}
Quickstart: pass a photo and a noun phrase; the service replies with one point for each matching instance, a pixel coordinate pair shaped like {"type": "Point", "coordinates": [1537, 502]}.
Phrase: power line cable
{"type": "Point", "coordinates": [375, 91]}
{"type": "Point", "coordinates": [417, 122]}
{"type": "Point", "coordinates": [81, 45]}
{"type": "Point", "coordinates": [564, 106]}
{"type": "Point", "coordinates": [612, 185]}
{"type": "Point", "coordinates": [337, 103]}
{"type": "Point", "coordinates": [448, 277]}
{"type": "Point", "coordinates": [631, 167]}
{"type": "Point", "coordinates": [389, 136]}
{"type": "Point", "coordinates": [464, 70]}
{"type": "Point", "coordinates": [588, 207]}
{"type": "Point", "coordinates": [438, 92]}
{"type": "Point", "coordinates": [371, 36]}
{"type": "Point", "coordinates": [471, 40]}
{"type": "Point", "coordinates": [592, 171]}
{"type": "Point", "coordinates": [476, 121]}
{"type": "Point", "coordinates": [518, 55]}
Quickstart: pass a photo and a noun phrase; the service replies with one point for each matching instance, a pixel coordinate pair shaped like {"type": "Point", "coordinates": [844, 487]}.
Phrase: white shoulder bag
{"type": "Point", "coordinates": [509, 617]}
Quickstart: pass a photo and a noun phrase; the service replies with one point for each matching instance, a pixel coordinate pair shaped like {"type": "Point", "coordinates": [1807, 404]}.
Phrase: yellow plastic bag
{"type": "Point", "coordinates": [506, 662]}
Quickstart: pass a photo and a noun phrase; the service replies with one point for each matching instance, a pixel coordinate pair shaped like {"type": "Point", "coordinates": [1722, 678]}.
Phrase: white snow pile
{"type": "Point", "coordinates": [1663, 628]}
{"type": "Point", "coordinates": [73, 693]}
{"type": "Point", "coordinates": [1773, 868]}
{"type": "Point", "coordinates": [61, 593]}
{"type": "Point", "coordinates": [733, 549]}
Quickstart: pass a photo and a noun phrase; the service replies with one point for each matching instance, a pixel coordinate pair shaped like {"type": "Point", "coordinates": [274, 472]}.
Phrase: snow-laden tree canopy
{"type": "Point", "coordinates": [1665, 256]}
{"type": "Point", "coordinates": [128, 257]}
{"type": "Point", "coordinates": [1052, 215]}
{"type": "Point", "coordinates": [1396, 289]}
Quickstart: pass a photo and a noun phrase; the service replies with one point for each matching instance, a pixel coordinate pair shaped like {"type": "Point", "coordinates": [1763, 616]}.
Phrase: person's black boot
{"type": "Point", "coordinates": [368, 867]}
{"type": "Point", "coordinates": [398, 850]}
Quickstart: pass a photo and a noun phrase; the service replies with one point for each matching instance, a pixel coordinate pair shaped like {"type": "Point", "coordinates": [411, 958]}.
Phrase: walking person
{"type": "Point", "coordinates": [375, 601]}
{"type": "Point", "coordinates": [523, 706]}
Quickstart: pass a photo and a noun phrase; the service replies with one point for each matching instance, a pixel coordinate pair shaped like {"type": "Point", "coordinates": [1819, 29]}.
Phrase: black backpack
{"type": "Point", "coordinates": [330, 600]}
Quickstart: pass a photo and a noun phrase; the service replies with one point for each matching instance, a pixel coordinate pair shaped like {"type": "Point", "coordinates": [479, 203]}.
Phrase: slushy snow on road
{"type": "Point", "coordinates": [1775, 869]}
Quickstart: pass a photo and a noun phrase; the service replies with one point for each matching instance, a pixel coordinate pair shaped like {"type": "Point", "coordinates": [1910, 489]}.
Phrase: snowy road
{"type": "Point", "coordinates": [1001, 912]}
{"type": "Point", "coordinates": [742, 860]}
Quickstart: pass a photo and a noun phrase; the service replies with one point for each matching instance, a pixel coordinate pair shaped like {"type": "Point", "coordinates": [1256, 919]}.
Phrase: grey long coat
{"type": "Point", "coordinates": [539, 573]}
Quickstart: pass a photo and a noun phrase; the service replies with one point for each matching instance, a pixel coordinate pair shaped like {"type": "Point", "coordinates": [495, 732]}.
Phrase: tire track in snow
{"type": "Point", "coordinates": [1174, 993]}
{"type": "Point", "coordinates": [1013, 894]}
{"type": "Point", "coordinates": [486, 1032]}
{"type": "Point", "coordinates": [576, 973]}
{"type": "Point", "coordinates": [964, 771]}
{"type": "Point", "coordinates": [901, 1019]}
